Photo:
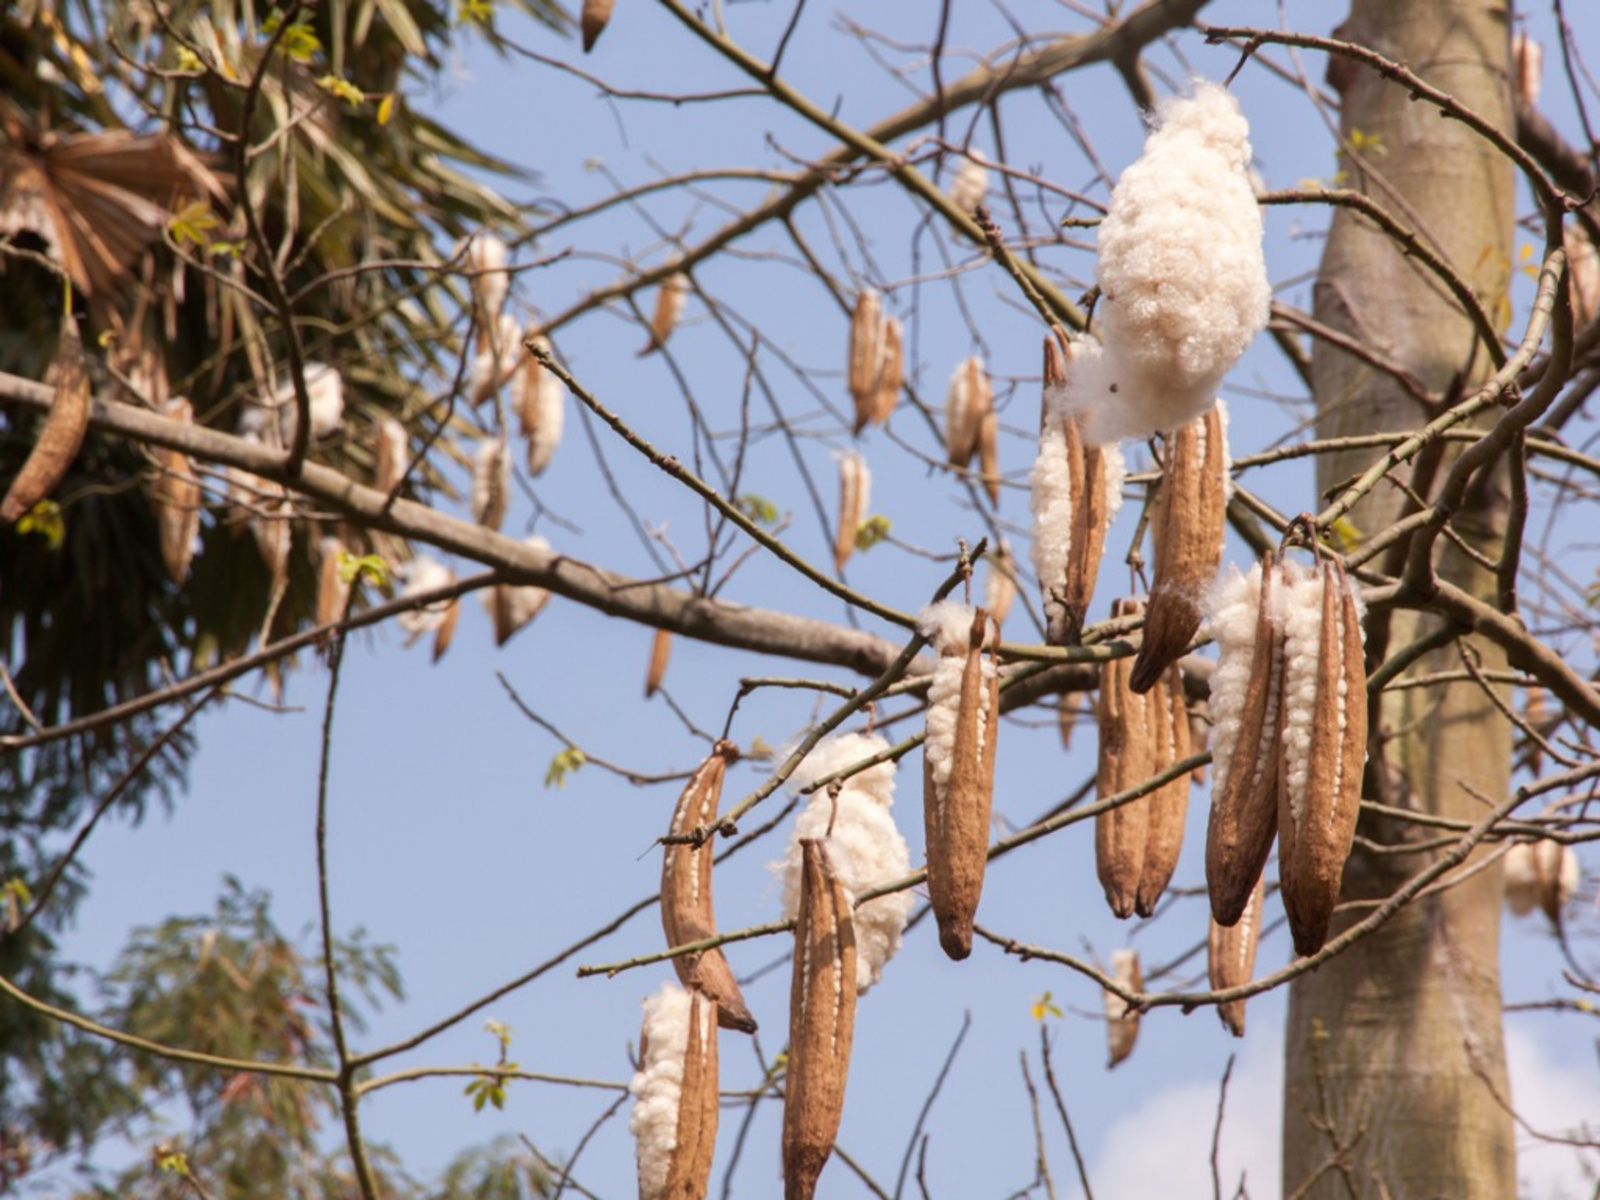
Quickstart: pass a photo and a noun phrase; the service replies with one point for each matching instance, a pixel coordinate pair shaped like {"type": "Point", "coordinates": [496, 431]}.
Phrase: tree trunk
{"type": "Point", "coordinates": [1395, 1061]}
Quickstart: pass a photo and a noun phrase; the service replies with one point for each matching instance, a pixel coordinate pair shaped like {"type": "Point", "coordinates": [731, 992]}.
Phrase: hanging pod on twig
{"type": "Point", "coordinates": [822, 1014]}
{"type": "Point", "coordinates": [686, 910]}
{"type": "Point", "coordinates": [63, 430]}
{"type": "Point", "coordinates": [674, 1119]}
{"type": "Point", "coordinates": [1189, 523]}
{"type": "Point", "coordinates": [1127, 756]}
{"type": "Point", "coordinates": [958, 767]}
{"type": "Point", "coordinates": [1231, 956]}
{"type": "Point", "coordinates": [1122, 1020]}
{"type": "Point", "coordinates": [176, 497]}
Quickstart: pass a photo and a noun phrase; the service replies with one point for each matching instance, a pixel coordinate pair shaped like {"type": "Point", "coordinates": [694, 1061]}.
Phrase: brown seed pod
{"type": "Point", "coordinates": [332, 591]}
{"type": "Point", "coordinates": [867, 333]}
{"type": "Point", "coordinates": [1190, 524]}
{"type": "Point", "coordinates": [447, 628]}
{"type": "Point", "coordinates": [989, 455]}
{"type": "Point", "coordinates": [175, 495]}
{"type": "Point", "coordinates": [1066, 717]}
{"type": "Point", "coordinates": [1231, 956]}
{"type": "Point", "coordinates": [63, 430]}
{"type": "Point", "coordinates": [1169, 804]}
{"type": "Point", "coordinates": [822, 1014]}
{"type": "Point", "coordinates": [855, 491]}
{"type": "Point", "coordinates": [491, 483]}
{"type": "Point", "coordinates": [686, 910]}
{"type": "Point", "coordinates": [1324, 735]}
{"type": "Point", "coordinates": [1127, 758]}
{"type": "Point", "coordinates": [391, 455]}
{"type": "Point", "coordinates": [957, 808]}
{"type": "Point", "coordinates": [593, 21]}
{"type": "Point", "coordinates": [692, 1080]}
{"type": "Point", "coordinates": [660, 651]}
{"type": "Point", "coordinates": [539, 398]}
{"type": "Point", "coordinates": [670, 296]}
{"type": "Point", "coordinates": [1122, 1021]}
{"type": "Point", "coordinates": [969, 397]}
{"type": "Point", "coordinates": [891, 371]}
{"type": "Point", "coordinates": [1000, 584]}
{"type": "Point", "coordinates": [1244, 794]}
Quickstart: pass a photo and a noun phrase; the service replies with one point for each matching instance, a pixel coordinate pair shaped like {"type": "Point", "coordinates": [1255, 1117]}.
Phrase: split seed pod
{"type": "Point", "coordinates": [868, 332]}
{"type": "Point", "coordinates": [1190, 523]}
{"type": "Point", "coordinates": [855, 493]}
{"type": "Point", "coordinates": [175, 496]}
{"type": "Point", "coordinates": [1231, 956]}
{"type": "Point", "coordinates": [491, 483]}
{"type": "Point", "coordinates": [539, 399]}
{"type": "Point", "coordinates": [1543, 874]}
{"type": "Point", "coordinates": [1244, 737]}
{"type": "Point", "coordinates": [425, 574]}
{"type": "Point", "coordinates": [669, 307]}
{"type": "Point", "coordinates": [63, 430]}
{"type": "Point", "coordinates": [1000, 584]}
{"type": "Point", "coordinates": [958, 768]}
{"type": "Point", "coordinates": [969, 397]}
{"type": "Point", "coordinates": [1168, 805]}
{"type": "Point", "coordinates": [674, 1119]}
{"type": "Point", "coordinates": [660, 651]}
{"type": "Point", "coordinates": [686, 911]}
{"type": "Point", "coordinates": [822, 1015]}
{"type": "Point", "coordinates": [513, 605]}
{"type": "Point", "coordinates": [1075, 491]}
{"type": "Point", "coordinates": [891, 371]}
{"type": "Point", "coordinates": [332, 591]}
{"type": "Point", "coordinates": [1127, 758]}
{"type": "Point", "coordinates": [1324, 743]}
{"type": "Point", "coordinates": [596, 16]}
{"type": "Point", "coordinates": [1122, 1021]}
{"type": "Point", "coordinates": [391, 456]}
{"type": "Point", "coordinates": [989, 455]}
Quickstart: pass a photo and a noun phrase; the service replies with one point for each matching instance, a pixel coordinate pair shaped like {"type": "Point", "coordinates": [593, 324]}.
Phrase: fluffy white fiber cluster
{"type": "Point", "coordinates": [1235, 604]}
{"type": "Point", "coordinates": [948, 625]}
{"type": "Point", "coordinates": [1301, 591]}
{"type": "Point", "coordinates": [1050, 498]}
{"type": "Point", "coordinates": [658, 1084]}
{"type": "Point", "coordinates": [866, 848]}
{"type": "Point", "coordinates": [1183, 283]}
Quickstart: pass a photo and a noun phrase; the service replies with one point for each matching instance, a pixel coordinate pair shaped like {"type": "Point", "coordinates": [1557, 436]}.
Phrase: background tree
{"type": "Point", "coordinates": [237, 196]}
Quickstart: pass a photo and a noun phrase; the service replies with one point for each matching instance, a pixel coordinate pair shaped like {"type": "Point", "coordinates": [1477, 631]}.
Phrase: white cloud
{"type": "Point", "coordinates": [1163, 1148]}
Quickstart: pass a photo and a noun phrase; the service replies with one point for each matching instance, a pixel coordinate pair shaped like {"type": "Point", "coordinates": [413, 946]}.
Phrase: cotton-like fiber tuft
{"type": "Point", "coordinates": [865, 847]}
{"type": "Point", "coordinates": [658, 1085]}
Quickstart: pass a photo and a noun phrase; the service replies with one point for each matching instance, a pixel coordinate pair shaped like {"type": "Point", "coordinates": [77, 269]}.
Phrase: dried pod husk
{"type": "Point", "coordinates": [1535, 715]}
{"type": "Point", "coordinates": [1527, 68]}
{"type": "Point", "coordinates": [675, 1092]}
{"type": "Point", "coordinates": [1558, 873]}
{"type": "Point", "coordinates": [513, 605]}
{"type": "Point", "coordinates": [539, 399]}
{"type": "Point", "coordinates": [1190, 524]}
{"type": "Point", "coordinates": [595, 17]}
{"type": "Point", "coordinates": [969, 396]}
{"type": "Point", "coordinates": [686, 911]}
{"type": "Point", "coordinates": [1168, 804]}
{"type": "Point", "coordinates": [499, 354]}
{"type": "Point", "coordinates": [446, 631]}
{"type": "Point", "coordinates": [1231, 956]}
{"type": "Point", "coordinates": [1246, 754]}
{"type": "Point", "coordinates": [426, 574]}
{"type": "Point", "coordinates": [989, 455]}
{"type": "Point", "coordinates": [1324, 735]}
{"type": "Point", "coordinates": [332, 591]}
{"type": "Point", "coordinates": [1000, 584]}
{"type": "Point", "coordinates": [1127, 758]}
{"type": "Point", "coordinates": [958, 771]}
{"type": "Point", "coordinates": [1122, 1021]}
{"type": "Point", "coordinates": [485, 257]}
{"type": "Point", "coordinates": [491, 482]}
{"type": "Point", "coordinates": [822, 1012]}
{"type": "Point", "coordinates": [855, 493]}
{"type": "Point", "coordinates": [1075, 490]}
{"type": "Point", "coordinates": [867, 330]}
{"type": "Point", "coordinates": [391, 455]}
{"type": "Point", "coordinates": [62, 432]}
{"type": "Point", "coordinates": [891, 371]}
{"type": "Point", "coordinates": [660, 651]}
{"type": "Point", "coordinates": [670, 296]}
{"type": "Point", "coordinates": [1066, 717]}
{"type": "Point", "coordinates": [175, 495]}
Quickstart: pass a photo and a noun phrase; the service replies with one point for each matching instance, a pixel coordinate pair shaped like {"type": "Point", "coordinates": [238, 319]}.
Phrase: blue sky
{"type": "Point", "coordinates": [444, 839]}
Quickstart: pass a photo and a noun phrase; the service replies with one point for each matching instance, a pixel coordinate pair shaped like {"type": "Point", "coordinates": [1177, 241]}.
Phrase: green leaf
{"type": "Point", "coordinates": [299, 41]}
{"type": "Point", "coordinates": [872, 531]}
{"type": "Point", "coordinates": [758, 508]}
{"type": "Point", "coordinates": [344, 89]}
{"type": "Point", "coordinates": [569, 759]}
{"type": "Point", "coordinates": [192, 224]}
{"type": "Point", "coordinates": [481, 11]}
{"type": "Point", "coordinates": [369, 568]}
